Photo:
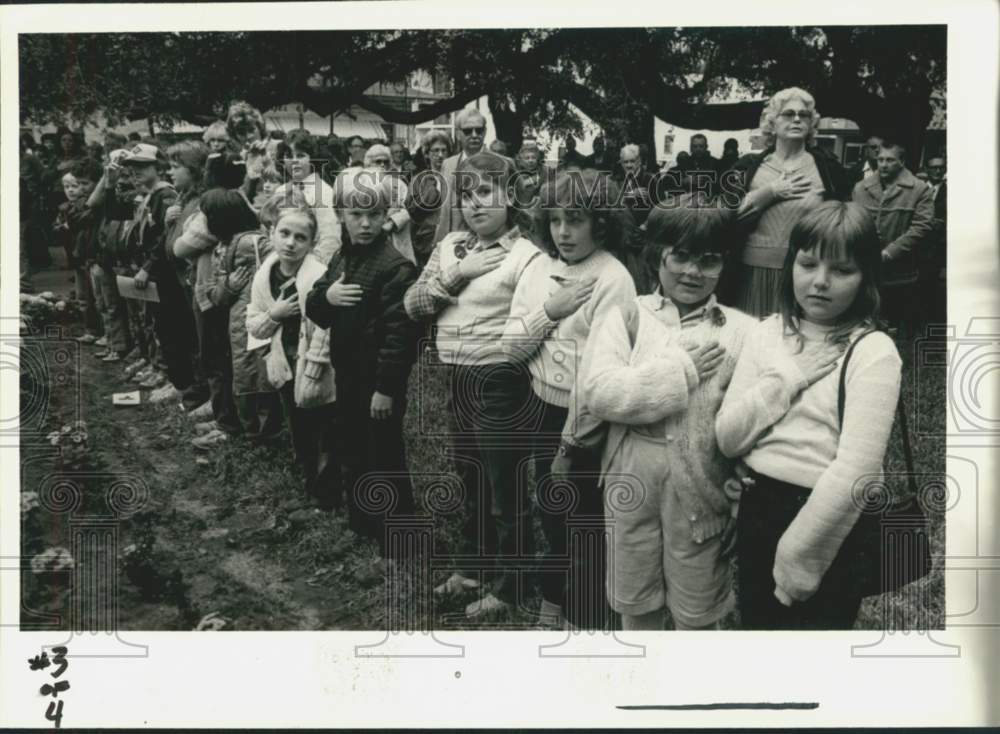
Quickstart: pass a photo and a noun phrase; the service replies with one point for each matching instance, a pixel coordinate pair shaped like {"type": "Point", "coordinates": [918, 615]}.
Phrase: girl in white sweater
{"type": "Point", "coordinates": [656, 370]}
{"type": "Point", "coordinates": [298, 360]}
{"type": "Point", "coordinates": [781, 415]}
{"type": "Point", "coordinates": [558, 298]}
{"type": "Point", "coordinates": [466, 288]}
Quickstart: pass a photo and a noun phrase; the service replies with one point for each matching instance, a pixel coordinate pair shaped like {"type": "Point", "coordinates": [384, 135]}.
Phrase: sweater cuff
{"type": "Point", "coordinates": [452, 280]}
{"type": "Point", "coordinates": [538, 322]}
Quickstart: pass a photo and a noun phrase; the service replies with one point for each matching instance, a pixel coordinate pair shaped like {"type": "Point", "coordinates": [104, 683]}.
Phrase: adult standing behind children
{"type": "Point", "coordinates": [472, 134]}
{"type": "Point", "coordinates": [776, 188]}
{"type": "Point", "coordinates": [301, 166]}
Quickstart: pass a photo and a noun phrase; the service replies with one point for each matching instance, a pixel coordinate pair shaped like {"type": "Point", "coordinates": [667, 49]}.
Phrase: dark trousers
{"type": "Point", "coordinates": [314, 433]}
{"type": "Point", "coordinates": [260, 414]}
{"type": "Point", "coordinates": [900, 307]}
{"type": "Point", "coordinates": [766, 510]}
{"type": "Point", "coordinates": [572, 517]}
{"type": "Point", "coordinates": [217, 365]}
{"type": "Point", "coordinates": [491, 428]}
{"type": "Point", "coordinates": [372, 456]}
{"type": "Point", "coordinates": [175, 328]}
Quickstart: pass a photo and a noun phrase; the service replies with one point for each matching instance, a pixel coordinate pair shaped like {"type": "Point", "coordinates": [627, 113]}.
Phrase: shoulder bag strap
{"type": "Point", "coordinates": [911, 481]}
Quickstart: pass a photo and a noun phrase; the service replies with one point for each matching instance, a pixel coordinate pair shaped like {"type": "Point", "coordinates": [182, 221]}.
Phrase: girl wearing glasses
{"type": "Point", "coordinates": [655, 370]}
{"type": "Point", "coordinates": [776, 187]}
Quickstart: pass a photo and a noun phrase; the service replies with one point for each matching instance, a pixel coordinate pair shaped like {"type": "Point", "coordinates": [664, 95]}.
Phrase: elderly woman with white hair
{"type": "Point", "coordinates": [777, 187]}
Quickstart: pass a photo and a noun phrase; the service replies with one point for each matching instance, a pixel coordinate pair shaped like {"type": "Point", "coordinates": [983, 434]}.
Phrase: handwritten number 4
{"type": "Point", "coordinates": [55, 706]}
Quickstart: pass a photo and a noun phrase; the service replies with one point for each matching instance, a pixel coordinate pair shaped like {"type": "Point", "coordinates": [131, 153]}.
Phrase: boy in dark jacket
{"type": "Point", "coordinates": [80, 228]}
{"type": "Point", "coordinates": [372, 349]}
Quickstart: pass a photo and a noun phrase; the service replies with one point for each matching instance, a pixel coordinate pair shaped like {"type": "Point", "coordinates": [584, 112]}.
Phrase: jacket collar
{"type": "Point", "coordinates": [710, 310]}
{"type": "Point", "coordinates": [905, 179]}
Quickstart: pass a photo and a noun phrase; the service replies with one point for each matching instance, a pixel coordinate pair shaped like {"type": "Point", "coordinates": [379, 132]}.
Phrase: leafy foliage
{"type": "Point", "coordinates": [880, 76]}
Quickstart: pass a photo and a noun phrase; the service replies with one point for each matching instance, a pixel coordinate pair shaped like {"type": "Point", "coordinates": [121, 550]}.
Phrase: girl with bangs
{"type": "Point", "coordinates": [466, 288]}
{"type": "Point", "coordinates": [782, 414]}
{"type": "Point", "coordinates": [581, 227]}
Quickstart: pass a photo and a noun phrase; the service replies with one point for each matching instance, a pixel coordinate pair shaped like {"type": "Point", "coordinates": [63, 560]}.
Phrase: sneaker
{"type": "Point", "coordinates": [202, 412]}
{"type": "Point", "coordinates": [201, 429]}
{"type": "Point", "coordinates": [87, 339]}
{"type": "Point", "coordinates": [166, 393]}
{"type": "Point", "coordinates": [134, 367]}
{"type": "Point", "coordinates": [156, 379]}
{"type": "Point", "coordinates": [143, 374]}
{"type": "Point", "coordinates": [455, 585]}
{"type": "Point", "coordinates": [101, 354]}
{"type": "Point", "coordinates": [102, 342]}
{"type": "Point", "coordinates": [112, 356]}
{"type": "Point", "coordinates": [209, 440]}
{"type": "Point", "coordinates": [488, 606]}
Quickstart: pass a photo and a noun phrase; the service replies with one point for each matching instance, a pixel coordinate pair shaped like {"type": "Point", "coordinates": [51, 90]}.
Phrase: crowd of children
{"type": "Point", "coordinates": [655, 433]}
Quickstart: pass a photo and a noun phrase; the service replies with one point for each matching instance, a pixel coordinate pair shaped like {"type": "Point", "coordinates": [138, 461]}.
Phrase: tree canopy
{"type": "Point", "coordinates": [879, 76]}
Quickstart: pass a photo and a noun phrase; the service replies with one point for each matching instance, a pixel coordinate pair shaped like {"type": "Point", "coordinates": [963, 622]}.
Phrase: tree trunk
{"type": "Point", "coordinates": [508, 124]}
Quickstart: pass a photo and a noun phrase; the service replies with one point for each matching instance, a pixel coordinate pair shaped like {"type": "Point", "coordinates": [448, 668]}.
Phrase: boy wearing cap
{"type": "Point", "coordinates": [147, 249]}
{"type": "Point", "coordinates": [372, 349]}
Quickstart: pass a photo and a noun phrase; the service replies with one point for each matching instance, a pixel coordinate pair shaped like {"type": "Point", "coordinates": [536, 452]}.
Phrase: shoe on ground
{"type": "Point", "coordinates": [155, 380]}
{"type": "Point", "coordinates": [102, 342]}
{"type": "Point", "coordinates": [112, 356]}
{"type": "Point", "coordinates": [203, 412]}
{"type": "Point", "coordinates": [209, 440]}
{"type": "Point", "coordinates": [134, 366]}
{"type": "Point", "coordinates": [143, 374]}
{"type": "Point", "coordinates": [102, 354]}
{"type": "Point", "coordinates": [201, 429]}
{"type": "Point", "coordinates": [87, 339]}
{"type": "Point", "coordinates": [166, 393]}
{"type": "Point", "coordinates": [488, 606]}
{"type": "Point", "coordinates": [456, 585]}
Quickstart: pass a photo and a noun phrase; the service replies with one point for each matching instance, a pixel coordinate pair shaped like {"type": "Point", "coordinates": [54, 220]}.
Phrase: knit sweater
{"type": "Point", "coordinates": [471, 314]}
{"type": "Point", "coordinates": [789, 431]}
{"type": "Point", "coordinates": [655, 382]}
{"type": "Point", "coordinates": [554, 349]}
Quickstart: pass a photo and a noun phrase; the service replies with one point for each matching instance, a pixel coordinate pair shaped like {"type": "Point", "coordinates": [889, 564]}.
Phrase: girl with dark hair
{"type": "Point", "coordinates": [229, 219]}
{"type": "Point", "coordinates": [466, 289]}
{"type": "Point", "coordinates": [782, 415]}
{"type": "Point", "coordinates": [655, 370]}
{"type": "Point", "coordinates": [558, 298]}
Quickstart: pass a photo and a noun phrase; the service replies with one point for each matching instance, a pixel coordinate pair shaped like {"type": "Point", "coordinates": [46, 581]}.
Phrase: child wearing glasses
{"type": "Point", "coordinates": [774, 189]}
{"type": "Point", "coordinates": [656, 369]}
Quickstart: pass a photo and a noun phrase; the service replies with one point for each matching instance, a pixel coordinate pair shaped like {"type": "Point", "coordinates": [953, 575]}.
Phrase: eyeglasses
{"type": "Point", "coordinates": [709, 263]}
{"type": "Point", "coordinates": [789, 115]}
{"type": "Point", "coordinates": [380, 162]}
{"type": "Point", "coordinates": [474, 130]}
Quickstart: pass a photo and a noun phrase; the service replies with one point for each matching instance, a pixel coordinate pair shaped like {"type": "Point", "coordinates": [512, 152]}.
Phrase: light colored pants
{"type": "Point", "coordinates": [110, 307]}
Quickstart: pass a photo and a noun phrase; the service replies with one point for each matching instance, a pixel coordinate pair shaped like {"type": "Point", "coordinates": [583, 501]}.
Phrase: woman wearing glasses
{"type": "Point", "coordinates": [777, 186]}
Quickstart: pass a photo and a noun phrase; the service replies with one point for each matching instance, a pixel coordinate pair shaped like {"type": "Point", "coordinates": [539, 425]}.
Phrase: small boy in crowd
{"type": "Point", "coordinates": [372, 349]}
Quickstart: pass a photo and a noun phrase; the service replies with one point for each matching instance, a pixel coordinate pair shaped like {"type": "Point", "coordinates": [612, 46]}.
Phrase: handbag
{"type": "Point", "coordinates": [891, 540]}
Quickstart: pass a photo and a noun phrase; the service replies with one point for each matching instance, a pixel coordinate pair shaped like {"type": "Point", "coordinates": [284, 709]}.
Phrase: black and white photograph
{"type": "Point", "coordinates": [588, 333]}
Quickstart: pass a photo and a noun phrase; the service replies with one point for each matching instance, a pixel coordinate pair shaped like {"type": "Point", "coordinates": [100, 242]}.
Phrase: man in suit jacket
{"type": "Point", "coordinates": [933, 264]}
{"type": "Point", "coordinates": [471, 134]}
